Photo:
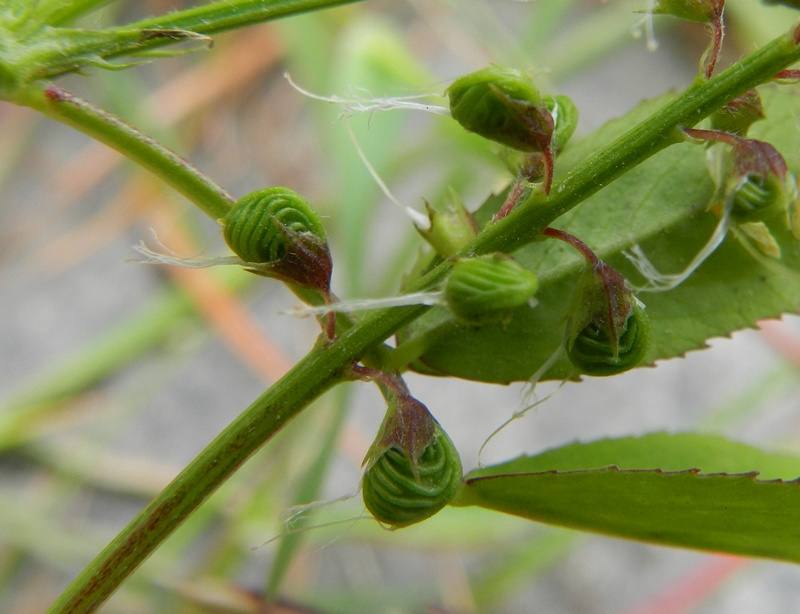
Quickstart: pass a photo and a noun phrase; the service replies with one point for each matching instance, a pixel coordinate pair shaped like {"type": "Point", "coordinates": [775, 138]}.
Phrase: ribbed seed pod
{"type": "Point", "coordinates": [502, 104]}
{"type": "Point", "coordinates": [280, 235]}
{"type": "Point", "coordinates": [488, 288]}
{"type": "Point", "coordinates": [594, 352]}
{"type": "Point", "coordinates": [400, 492]}
{"type": "Point", "coordinates": [255, 226]}
{"type": "Point", "coordinates": [759, 198]}
{"type": "Point", "coordinates": [565, 119]}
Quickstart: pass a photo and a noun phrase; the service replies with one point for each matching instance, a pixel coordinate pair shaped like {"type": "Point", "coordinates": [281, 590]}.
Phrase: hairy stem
{"type": "Point", "coordinates": [328, 364]}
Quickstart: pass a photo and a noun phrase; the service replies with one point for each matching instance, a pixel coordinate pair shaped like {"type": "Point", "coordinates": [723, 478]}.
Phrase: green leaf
{"type": "Point", "coordinates": [661, 488]}
{"type": "Point", "coordinates": [660, 206]}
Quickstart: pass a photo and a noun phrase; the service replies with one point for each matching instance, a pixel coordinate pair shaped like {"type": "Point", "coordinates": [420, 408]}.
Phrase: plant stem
{"type": "Point", "coordinates": [86, 47]}
{"type": "Point", "coordinates": [59, 13]}
{"type": "Point", "coordinates": [69, 109]}
{"type": "Point", "coordinates": [328, 364]}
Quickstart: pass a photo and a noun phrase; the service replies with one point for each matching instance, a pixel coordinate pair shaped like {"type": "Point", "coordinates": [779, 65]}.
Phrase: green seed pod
{"type": "Point", "coordinates": [488, 288]}
{"type": "Point", "coordinates": [280, 235]}
{"type": "Point", "coordinates": [502, 105]}
{"type": "Point", "coordinates": [594, 352]}
{"type": "Point", "coordinates": [565, 119]}
{"type": "Point", "coordinates": [254, 225]}
{"type": "Point", "coordinates": [759, 198]}
{"type": "Point", "coordinates": [413, 469]}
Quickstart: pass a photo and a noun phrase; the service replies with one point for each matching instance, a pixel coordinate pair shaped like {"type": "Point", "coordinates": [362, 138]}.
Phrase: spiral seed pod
{"type": "Point", "coordinates": [596, 350]}
{"type": "Point", "coordinates": [759, 198]}
{"type": "Point", "coordinates": [281, 235]}
{"type": "Point", "coordinates": [502, 104]}
{"type": "Point", "coordinates": [412, 469]}
{"type": "Point", "coordinates": [488, 288]}
{"type": "Point", "coordinates": [253, 226]}
{"type": "Point", "coordinates": [400, 492]}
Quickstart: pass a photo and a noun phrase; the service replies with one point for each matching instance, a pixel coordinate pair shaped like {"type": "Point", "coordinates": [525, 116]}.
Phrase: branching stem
{"type": "Point", "coordinates": [328, 364]}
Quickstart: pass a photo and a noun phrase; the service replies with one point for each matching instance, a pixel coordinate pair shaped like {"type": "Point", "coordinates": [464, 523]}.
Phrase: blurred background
{"type": "Point", "coordinates": [115, 374]}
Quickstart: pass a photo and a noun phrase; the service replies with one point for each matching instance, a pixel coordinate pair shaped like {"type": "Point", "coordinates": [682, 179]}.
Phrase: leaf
{"type": "Point", "coordinates": [662, 488]}
{"type": "Point", "coordinates": [661, 206]}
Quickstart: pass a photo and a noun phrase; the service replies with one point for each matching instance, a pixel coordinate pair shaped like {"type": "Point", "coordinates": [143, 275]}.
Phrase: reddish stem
{"type": "Point", "coordinates": [575, 242]}
{"type": "Point", "coordinates": [511, 200]}
{"type": "Point", "coordinates": [714, 135]}
{"type": "Point", "coordinates": [547, 180]}
{"type": "Point", "coordinates": [789, 73]}
{"type": "Point", "coordinates": [391, 380]}
{"type": "Point", "coordinates": [717, 34]}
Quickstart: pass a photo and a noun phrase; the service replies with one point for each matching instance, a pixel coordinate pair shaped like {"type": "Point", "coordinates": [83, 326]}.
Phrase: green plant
{"type": "Point", "coordinates": [639, 185]}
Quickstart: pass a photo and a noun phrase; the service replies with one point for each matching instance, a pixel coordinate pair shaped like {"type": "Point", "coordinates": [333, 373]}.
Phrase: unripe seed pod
{"type": "Point", "coordinates": [413, 469]}
{"type": "Point", "coordinates": [759, 198]}
{"type": "Point", "coordinates": [279, 234]}
{"type": "Point", "coordinates": [395, 496]}
{"type": "Point", "coordinates": [502, 104]}
{"type": "Point", "coordinates": [253, 228]}
{"type": "Point", "coordinates": [594, 352]}
{"type": "Point", "coordinates": [488, 288]}
{"type": "Point", "coordinates": [565, 119]}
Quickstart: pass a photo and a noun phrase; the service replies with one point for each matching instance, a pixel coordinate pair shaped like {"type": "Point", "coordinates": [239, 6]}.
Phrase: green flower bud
{"type": "Point", "coordinates": [413, 469]}
{"type": "Point", "coordinates": [451, 227]}
{"type": "Point", "coordinates": [488, 288]}
{"type": "Point", "coordinates": [279, 234]}
{"type": "Point", "coordinates": [502, 105]}
{"type": "Point", "coordinates": [737, 116]}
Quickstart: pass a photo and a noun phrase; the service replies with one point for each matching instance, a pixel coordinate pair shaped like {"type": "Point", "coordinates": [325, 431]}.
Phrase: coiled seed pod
{"type": "Point", "coordinates": [502, 104]}
{"type": "Point", "coordinates": [253, 226]}
{"type": "Point", "coordinates": [596, 350]}
{"type": "Point", "coordinates": [759, 198]}
{"type": "Point", "coordinates": [413, 469]}
{"type": "Point", "coordinates": [488, 288]}
{"type": "Point", "coordinates": [279, 234]}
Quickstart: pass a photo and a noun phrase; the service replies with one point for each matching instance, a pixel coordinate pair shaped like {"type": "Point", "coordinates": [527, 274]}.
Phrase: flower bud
{"type": "Point", "coordinates": [737, 115]}
{"type": "Point", "coordinates": [451, 226]}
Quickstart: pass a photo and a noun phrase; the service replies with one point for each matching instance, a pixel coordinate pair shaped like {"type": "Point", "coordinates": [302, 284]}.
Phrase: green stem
{"type": "Point", "coordinates": [84, 47]}
{"type": "Point", "coordinates": [59, 13]}
{"type": "Point", "coordinates": [67, 108]}
{"type": "Point", "coordinates": [327, 365]}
